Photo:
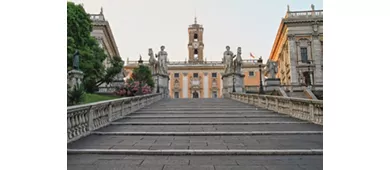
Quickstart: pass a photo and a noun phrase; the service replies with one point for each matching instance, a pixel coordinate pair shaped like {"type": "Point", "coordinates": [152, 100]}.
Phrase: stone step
{"type": "Point", "coordinates": [208, 119]}
{"type": "Point", "coordinates": [209, 123]}
{"type": "Point", "coordinates": [197, 152]}
{"type": "Point", "coordinates": [202, 112]}
{"type": "Point", "coordinates": [219, 133]}
{"type": "Point", "coordinates": [194, 162]}
{"type": "Point", "coordinates": [211, 128]}
{"type": "Point", "coordinates": [275, 141]}
{"type": "Point", "coordinates": [173, 116]}
{"type": "Point", "coordinates": [199, 109]}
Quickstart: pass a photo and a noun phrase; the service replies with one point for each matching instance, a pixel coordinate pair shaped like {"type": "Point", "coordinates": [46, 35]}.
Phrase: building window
{"type": "Point", "coordinates": [251, 73]}
{"type": "Point", "coordinates": [215, 94]}
{"type": "Point", "coordinates": [195, 37]}
{"type": "Point", "coordinates": [214, 83]}
{"type": "Point", "coordinates": [214, 75]}
{"type": "Point", "coordinates": [196, 75]}
{"type": "Point", "coordinates": [176, 95]}
{"type": "Point", "coordinates": [177, 75]}
{"type": "Point", "coordinates": [304, 57]}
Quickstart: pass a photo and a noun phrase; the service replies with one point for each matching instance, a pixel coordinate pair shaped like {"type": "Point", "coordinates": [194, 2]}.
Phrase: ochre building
{"type": "Point", "coordinates": [198, 78]}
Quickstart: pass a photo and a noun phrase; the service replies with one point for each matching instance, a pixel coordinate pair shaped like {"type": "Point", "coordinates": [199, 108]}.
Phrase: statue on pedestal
{"type": "Point", "coordinates": [272, 68]}
{"type": "Point", "coordinates": [238, 61]}
{"type": "Point", "coordinates": [76, 58]}
{"type": "Point", "coordinates": [162, 58]}
{"type": "Point", "coordinates": [228, 57]}
{"type": "Point", "coordinates": [152, 62]}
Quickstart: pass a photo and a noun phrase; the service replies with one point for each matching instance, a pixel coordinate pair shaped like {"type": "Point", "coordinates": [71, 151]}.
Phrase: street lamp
{"type": "Point", "coordinates": [158, 84]}
{"type": "Point", "coordinates": [261, 90]}
{"type": "Point", "coordinates": [234, 78]}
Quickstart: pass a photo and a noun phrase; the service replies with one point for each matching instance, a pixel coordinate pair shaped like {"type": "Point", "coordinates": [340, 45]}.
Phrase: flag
{"type": "Point", "coordinates": [252, 55]}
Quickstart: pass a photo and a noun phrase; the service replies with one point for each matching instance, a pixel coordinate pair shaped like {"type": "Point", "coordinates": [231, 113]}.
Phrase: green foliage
{"type": "Point", "coordinates": [91, 98]}
{"type": "Point", "coordinates": [79, 28]}
{"type": "Point", "coordinates": [75, 95]}
{"type": "Point", "coordinates": [143, 75]}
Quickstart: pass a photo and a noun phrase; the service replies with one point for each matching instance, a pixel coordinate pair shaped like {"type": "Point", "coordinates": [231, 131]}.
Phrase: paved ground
{"type": "Point", "coordinates": [200, 124]}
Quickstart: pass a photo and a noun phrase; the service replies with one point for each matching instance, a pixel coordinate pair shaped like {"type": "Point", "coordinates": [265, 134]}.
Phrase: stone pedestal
{"type": "Point", "coordinates": [271, 84]}
{"type": "Point", "coordinates": [163, 84]}
{"type": "Point", "coordinates": [75, 77]}
{"type": "Point", "coordinates": [228, 83]}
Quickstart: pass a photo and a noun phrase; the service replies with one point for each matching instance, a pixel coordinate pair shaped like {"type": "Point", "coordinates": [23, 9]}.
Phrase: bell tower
{"type": "Point", "coordinates": [195, 44]}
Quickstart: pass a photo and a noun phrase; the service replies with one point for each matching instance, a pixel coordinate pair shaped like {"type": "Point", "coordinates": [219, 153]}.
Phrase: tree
{"type": "Point", "coordinates": [92, 56]}
{"type": "Point", "coordinates": [143, 75]}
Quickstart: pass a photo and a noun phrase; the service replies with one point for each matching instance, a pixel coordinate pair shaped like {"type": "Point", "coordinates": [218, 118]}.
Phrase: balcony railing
{"type": "Point", "coordinates": [304, 14]}
{"type": "Point", "coordinates": [97, 17]}
{"type": "Point", "coordinates": [304, 109]}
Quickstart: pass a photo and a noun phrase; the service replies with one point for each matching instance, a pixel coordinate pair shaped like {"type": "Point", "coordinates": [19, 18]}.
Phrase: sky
{"type": "Point", "coordinates": [138, 25]}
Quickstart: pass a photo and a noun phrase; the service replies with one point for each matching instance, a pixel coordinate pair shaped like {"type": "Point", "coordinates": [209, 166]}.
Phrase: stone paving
{"type": "Point", "coordinates": [169, 125]}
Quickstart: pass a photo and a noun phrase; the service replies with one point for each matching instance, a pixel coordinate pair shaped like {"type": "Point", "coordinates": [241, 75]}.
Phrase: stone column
{"type": "Point", "coordinates": [206, 85]}
{"type": "Point", "coordinates": [317, 56]}
{"type": "Point", "coordinates": [185, 85]}
{"type": "Point", "coordinates": [293, 60]}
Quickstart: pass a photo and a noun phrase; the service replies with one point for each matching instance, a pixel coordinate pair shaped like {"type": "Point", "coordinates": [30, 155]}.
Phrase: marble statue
{"type": "Point", "coordinates": [272, 68]}
{"type": "Point", "coordinates": [238, 61]}
{"type": "Point", "coordinates": [227, 60]}
{"type": "Point", "coordinates": [152, 62]}
{"type": "Point", "coordinates": [162, 58]}
{"type": "Point", "coordinates": [76, 58]}
{"type": "Point", "coordinates": [301, 77]}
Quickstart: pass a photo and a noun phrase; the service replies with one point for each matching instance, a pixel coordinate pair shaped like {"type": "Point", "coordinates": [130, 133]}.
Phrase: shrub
{"type": "Point", "coordinates": [76, 95]}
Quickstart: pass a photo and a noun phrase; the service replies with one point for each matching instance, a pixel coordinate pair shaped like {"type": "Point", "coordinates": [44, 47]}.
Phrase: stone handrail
{"type": "Point", "coordinates": [304, 109]}
{"type": "Point", "coordinates": [82, 119]}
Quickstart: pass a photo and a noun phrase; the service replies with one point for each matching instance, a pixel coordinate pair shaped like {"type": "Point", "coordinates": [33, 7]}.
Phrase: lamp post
{"type": "Point", "coordinates": [158, 84]}
{"type": "Point", "coordinates": [261, 90]}
{"type": "Point", "coordinates": [234, 78]}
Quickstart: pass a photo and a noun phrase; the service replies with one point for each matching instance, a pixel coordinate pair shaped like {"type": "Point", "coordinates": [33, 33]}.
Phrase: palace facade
{"type": "Point", "coordinates": [298, 48]}
{"type": "Point", "coordinates": [198, 78]}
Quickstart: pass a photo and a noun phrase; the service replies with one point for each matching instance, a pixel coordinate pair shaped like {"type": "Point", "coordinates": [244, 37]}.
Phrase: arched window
{"type": "Point", "coordinates": [195, 37]}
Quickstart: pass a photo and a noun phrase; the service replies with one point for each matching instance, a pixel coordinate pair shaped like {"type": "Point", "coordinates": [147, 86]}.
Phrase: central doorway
{"type": "Point", "coordinates": [195, 94]}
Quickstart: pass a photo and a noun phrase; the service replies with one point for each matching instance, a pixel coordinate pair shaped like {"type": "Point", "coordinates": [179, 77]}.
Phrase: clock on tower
{"type": "Point", "coordinates": [195, 45]}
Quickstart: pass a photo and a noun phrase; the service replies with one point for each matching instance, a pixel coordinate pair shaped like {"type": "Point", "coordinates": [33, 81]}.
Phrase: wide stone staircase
{"type": "Point", "coordinates": [201, 134]}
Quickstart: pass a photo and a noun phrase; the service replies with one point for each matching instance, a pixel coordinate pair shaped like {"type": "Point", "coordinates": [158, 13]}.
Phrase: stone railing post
{"type": "Point", "coordinates": [291, 107]}
{"type": "Point", "coordinates": [311, 110]}
{"type": "Point", "coordinates": [110, 112]}
{"type": "Point", "coordinates": [90, 119]}
{"type": "Point", "coordinates": [131, 105]}
{"type": "Point", "coordinates": [276, 105]}
{"type": "Point", "coordinates": [123, 108]}
{"type": "Point", "coordinates": [266, 102]}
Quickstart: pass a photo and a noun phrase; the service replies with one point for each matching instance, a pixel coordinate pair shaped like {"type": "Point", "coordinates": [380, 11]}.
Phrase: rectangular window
{"type": "Point", "coordinates": [177, 75]}
{"type": "Point", "coordinates": [251, 73]}
{"type": "Point", "coordinates": [304, 57]}
{"type": "Point", "coordinates": [195, 75]}
{"type": "Point", "coordinates": [214, 75]}
{"type": "Point", "coordinates": [176, 95]}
